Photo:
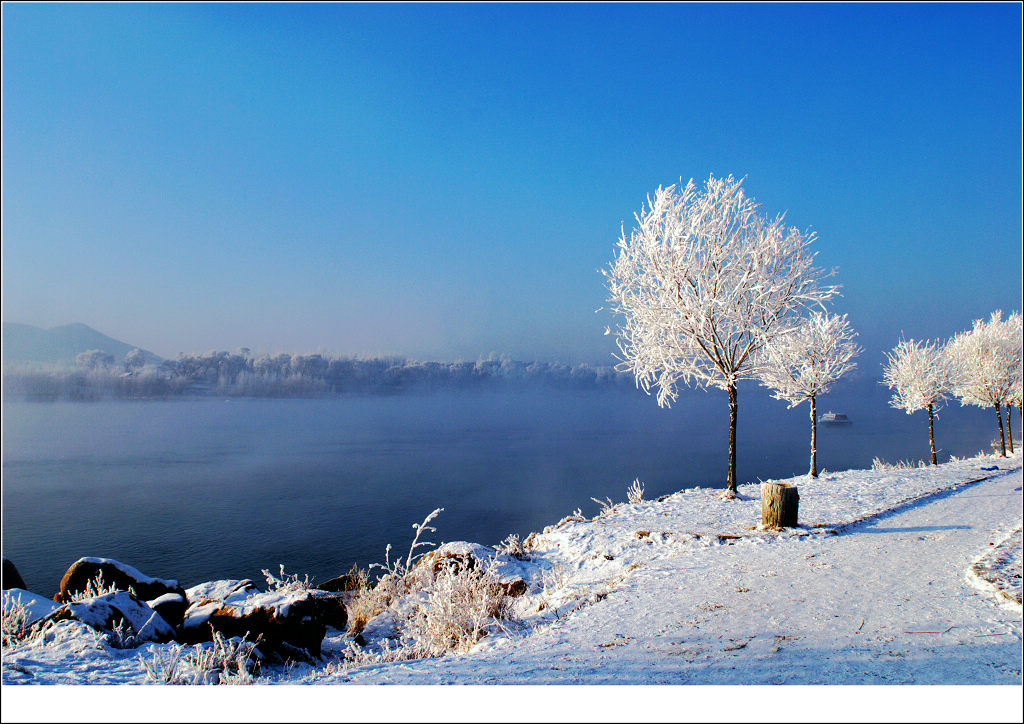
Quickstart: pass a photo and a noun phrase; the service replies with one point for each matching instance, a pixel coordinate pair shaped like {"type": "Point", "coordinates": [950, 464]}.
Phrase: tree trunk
{"type": "Point", "coordinates": [732, 438]}
{"type": "Point", "coordinates": [780, 504]}
{"type": "Point", "coordinates": [1002, 439]}
{"type": "Point", "coordinates": [1009, 433]}
{"type": "Point", "coordinates": [814, 438]}
{"type": "Point", "coordinates": [931, 432]}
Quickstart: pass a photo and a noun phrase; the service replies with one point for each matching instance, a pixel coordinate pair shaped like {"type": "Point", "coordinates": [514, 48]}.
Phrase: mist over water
{"type": "Point", "coordinates": [205, 489]}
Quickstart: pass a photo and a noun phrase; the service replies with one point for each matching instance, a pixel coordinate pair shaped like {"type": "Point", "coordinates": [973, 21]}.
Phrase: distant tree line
{"type": "Point", "coordinates": [100, 375]}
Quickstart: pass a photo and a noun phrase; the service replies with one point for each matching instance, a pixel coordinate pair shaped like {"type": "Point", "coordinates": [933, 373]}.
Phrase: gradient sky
{"type": "Point", "coordinates": [444, 181]}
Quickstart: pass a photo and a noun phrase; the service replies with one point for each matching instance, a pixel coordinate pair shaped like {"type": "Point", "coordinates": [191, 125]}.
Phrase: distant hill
{"type": "Point", "coordinates": [59, 345]}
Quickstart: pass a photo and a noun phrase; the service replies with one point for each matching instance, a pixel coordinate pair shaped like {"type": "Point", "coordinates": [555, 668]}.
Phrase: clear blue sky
{"type": "Point", "coordinates": [443, 181]}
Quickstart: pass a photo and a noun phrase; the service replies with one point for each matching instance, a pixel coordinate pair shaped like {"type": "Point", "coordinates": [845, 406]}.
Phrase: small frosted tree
{"type": "Point", "coordinates": [1015, 324]}
{"type": "Point", "coordinates": [806, 361]}
{"type": "Point", "coordinates": [94, 359]}
{"type": "Point", "coordinates": [134, 360]}
{"type": "Point", "coordinates": [704, 281]}
{"type": "Point", "coordinates": [987, 366]}
{"type": "Point", "coordinates": [921, 375]}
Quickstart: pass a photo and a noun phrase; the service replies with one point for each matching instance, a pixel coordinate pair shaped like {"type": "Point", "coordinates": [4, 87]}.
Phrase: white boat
{"type": "Point", "coordinates": [833, 418]}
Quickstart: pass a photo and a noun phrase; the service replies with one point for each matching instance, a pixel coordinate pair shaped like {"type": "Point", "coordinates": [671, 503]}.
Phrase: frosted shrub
{"type": "Point", "coordinates": [93, 587]}
{"type": "Point", "coordinates": [460, 608]}
{"type": "Point", "coordinates": [121, 636]}
{"type": "Point", "coordinates": [607, 506]}
{"type": "Point", "coordinates": [439, 608]}
{"type": "Point", "coordinates": [286, 582]}
{"type": "Point", "coordinates": [163, 666]}
{"type": "Point", "coordinates": [512, 546]}
{"type": "Point", "coordinates": [635, 492]}
{"type": "Point", "coordinates": [225, 661]}
{"type": "Point", "coordinates": [879, 464]}
{"type": "Point", "coordinates": [15, 620]}
{"type": "Point", "coordinates": [222, 661]}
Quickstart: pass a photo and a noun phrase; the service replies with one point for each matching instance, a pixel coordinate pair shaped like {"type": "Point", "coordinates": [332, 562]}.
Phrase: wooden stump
{"type": "Point", "coordinates": [779, 505]}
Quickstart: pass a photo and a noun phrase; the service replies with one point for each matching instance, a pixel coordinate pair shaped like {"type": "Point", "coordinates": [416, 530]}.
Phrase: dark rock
{"type": "Point", "coordinates": [11, 577]}
{"type": "Point", "coordinates": [345, 583]}
{"type": "Point", "coordinates": [116, 574]}
{"type": "Point", "coordinates": [171, 607]}
{"type": "Point", "coordinates": [279, 619]}
{"type": "Point", "coordinates": [335, 611]}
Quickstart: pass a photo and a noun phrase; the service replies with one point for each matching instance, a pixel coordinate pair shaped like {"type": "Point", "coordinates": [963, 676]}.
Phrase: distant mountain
{"type": "Point", "coordinates": [59, 345]}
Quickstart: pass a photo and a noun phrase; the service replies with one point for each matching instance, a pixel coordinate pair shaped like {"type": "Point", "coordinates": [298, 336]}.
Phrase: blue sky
{"type": "Point", "coordinates": [444, 181]}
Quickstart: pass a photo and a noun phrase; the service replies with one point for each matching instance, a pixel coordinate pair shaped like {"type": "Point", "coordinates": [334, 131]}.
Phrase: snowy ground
{"type": "Point", "coordinates": [893, 577]}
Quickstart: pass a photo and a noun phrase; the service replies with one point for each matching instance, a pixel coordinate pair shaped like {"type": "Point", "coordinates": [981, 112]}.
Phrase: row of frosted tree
{"type": "Point", "coordinates": [100, 375]}
{"type": "Point", "coordinates": [980, 366]}
{"type": "Point", "coordinates": [711, 292]}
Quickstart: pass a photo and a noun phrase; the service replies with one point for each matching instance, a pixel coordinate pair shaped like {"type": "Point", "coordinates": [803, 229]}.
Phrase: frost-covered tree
{"type": "Point", "coordinates": [806, 361]}
{"type": "Point", "coordinates": [134, 360]}
{"type": "Point", "coordinates": [921, 375]}
{"type": "Point", "coordinates": [987, 366]}
{"type": "Point", "coordinates": [94, 359]}
{"type": "Point", "coordinates": [704, 281]}
{"type": "Point", "coordinates": [1016, 331]}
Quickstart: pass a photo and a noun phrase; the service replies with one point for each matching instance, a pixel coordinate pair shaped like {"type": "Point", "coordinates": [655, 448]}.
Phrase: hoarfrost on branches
{"type": "Point", "coordinates": [921, 375]}
{"type": "Point", "coordinates": [704, 281]}
{"type": "Point", "coordinates": [988, 364]}
{"type": "Point", "coordinates": [806, 361]}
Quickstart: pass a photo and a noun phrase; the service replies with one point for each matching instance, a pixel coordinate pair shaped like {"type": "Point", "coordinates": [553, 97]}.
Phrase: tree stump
{"type": "Point", "coordinates": [779, 505]}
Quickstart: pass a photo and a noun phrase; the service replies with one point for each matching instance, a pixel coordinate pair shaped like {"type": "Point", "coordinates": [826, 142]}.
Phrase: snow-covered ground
{"type": "Point", "coordinates": [878, 585]}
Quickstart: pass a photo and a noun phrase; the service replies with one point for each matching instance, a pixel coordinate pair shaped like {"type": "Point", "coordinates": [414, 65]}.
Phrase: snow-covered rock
{"type": "Point", "coordinates": [281, 618]}
{"type": "Point", "coordinates": [171, 607]}
{"type": "Point", "coordinates": [223, 591]}
{"type": "Point", "coordinates": [114, 573]}
{"type": "Point", "coordinates": [105, 612]}
{"type": "Point", "coordinates": [510, 572]}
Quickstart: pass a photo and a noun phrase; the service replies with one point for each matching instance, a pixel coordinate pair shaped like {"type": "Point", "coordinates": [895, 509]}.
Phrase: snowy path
{"type": "Point", "coordinates": [887, 601]}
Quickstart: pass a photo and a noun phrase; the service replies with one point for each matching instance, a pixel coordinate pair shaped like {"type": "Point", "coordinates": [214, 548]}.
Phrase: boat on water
{"type": "Point", "coordinates": [834, 418]}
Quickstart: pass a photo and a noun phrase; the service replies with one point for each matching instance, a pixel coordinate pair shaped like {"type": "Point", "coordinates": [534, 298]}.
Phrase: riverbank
{"type": "Point", "coordinates": [873, 587]}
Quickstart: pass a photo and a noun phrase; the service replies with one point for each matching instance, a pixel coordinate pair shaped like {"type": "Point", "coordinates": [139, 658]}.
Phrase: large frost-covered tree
{"type": "Point", "coordinates": [988, 365]}
{"type": "Point", "coordinates": [704, 281]}
{"type": "Point", "coordinates": [921, 375]}
{"type": "Point", "coordinates": [806, 361]}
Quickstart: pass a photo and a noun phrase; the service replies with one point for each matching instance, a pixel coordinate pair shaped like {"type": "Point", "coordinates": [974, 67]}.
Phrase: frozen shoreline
{"type": "Point", "coordinates": [668, 606]}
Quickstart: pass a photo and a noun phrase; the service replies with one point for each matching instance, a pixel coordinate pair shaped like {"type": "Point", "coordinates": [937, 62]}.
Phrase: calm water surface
{"type": "Point", "coordinates": [204, 489]}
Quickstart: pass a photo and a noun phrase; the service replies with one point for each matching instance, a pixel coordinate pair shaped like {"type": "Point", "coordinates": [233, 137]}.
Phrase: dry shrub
{"type": "Point", "coordinates": [462, 605]}
{"type": "Point", "coordinates": [437, 608]}
{"type": "Point", "coordinates": [93, 587]}
{"type": "Point", "coordinates": [15, 620]}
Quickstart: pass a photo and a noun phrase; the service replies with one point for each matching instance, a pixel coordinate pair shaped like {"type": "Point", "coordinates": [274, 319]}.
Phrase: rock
{"type": "Point", "coordinates": [462, 554]}
{"type": "Point", "coordinates": [342, 584]}
{"type": "Point", "coordinates": [335, 611]}
{"type": "Point", "coordinates": [282, 620]}
{"type": "Point", "coordinates": [171, 607]}
{"type": "Point", "coordinates": [11, 577]}
{"type": "Point", "coordinates": [105, 612]}
{"type": "Point", "coordinates": [115, 574]}
{"type": "Point", "coordinates": [223, 591]}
